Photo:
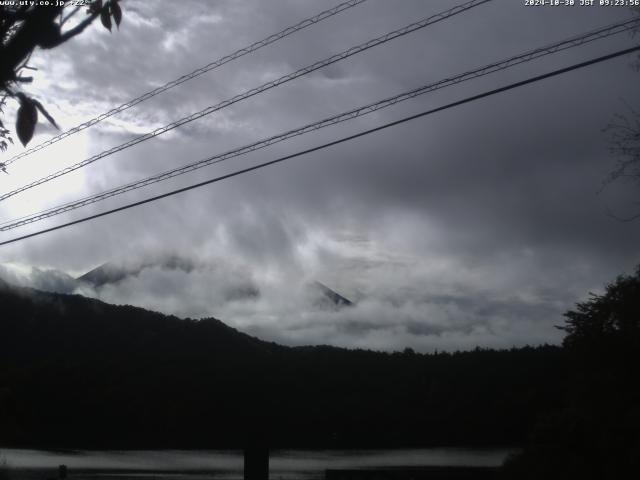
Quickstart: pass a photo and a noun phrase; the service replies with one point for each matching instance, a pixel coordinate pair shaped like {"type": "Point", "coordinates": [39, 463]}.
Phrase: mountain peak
{"type": "Point", "coordinates": [332, 296]}
{"type": "Point", "coordinates": [113, 272]}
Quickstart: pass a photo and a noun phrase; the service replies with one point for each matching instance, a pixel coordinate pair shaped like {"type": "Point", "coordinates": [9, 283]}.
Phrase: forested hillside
{"type": "Point", "coordinates": [76, 372]}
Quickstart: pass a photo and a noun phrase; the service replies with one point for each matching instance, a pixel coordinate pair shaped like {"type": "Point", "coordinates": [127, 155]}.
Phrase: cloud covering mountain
{"type": "Point", "coordinates": [477, 226]}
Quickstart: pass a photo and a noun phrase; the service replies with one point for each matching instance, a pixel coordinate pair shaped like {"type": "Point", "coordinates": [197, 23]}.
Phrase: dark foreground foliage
{"type": "Point", "coordinates": [76, 372]}
{"type": "Point", "coordinates": [596, 435]}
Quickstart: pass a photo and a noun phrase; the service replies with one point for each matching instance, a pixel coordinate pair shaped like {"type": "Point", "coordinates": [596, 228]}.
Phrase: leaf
{"type": "Point", "coordinates": [116, 11]}
{"type": "Point", "coordinates": [26, 121]}
{"type": "Point", "coordinates": [105, 18]}
{"type": "Point", "coordinates": [45, 113]}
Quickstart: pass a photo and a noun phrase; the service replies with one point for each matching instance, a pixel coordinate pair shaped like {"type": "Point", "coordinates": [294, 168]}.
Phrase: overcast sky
{"type": "Point", "coordinates": [476, 226]}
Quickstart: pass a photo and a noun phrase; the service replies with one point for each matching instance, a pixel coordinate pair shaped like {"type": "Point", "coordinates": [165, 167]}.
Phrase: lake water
{"type": "Point", "coordinates": [227, 465]}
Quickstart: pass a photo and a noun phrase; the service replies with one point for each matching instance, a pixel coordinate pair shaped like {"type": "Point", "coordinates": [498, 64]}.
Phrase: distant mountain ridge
{"type": "Point", "coordinates": [332, 296]}
{"type": "Point", "coordinates": [113, 272]}
{"type": "Point", "coordinates": [49, 280]}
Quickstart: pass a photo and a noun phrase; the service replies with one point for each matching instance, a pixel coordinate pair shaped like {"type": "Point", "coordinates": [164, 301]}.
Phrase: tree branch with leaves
{"type": "Point", "coordinates": [23, 28]}
{"type": "Point", "coordinates": [624, 143]}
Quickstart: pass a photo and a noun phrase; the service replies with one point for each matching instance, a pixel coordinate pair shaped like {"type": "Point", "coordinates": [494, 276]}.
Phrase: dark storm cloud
{"type": "Point", "coordinates": [478, 225]}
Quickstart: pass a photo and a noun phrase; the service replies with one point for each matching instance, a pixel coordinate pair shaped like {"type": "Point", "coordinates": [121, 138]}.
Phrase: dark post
{"type": "Point", "coordinates": [62, 472]}
{"type": "Point", "coordinates": [256, 462]}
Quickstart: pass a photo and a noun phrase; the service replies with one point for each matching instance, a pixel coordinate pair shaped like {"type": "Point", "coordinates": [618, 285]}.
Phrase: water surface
{"type": "Point", "coordinates": [227, 465]}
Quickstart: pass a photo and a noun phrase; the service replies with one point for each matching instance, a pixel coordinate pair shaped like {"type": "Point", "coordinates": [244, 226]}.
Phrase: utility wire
{"type": "Point", "coordinates": [196, 73]}
{"type": "Point", "coordinates": [254, 91]}
{"type": "Point", "coordinates": [575, 41]}
{"type": "Point", "coordinates": [333, 143]}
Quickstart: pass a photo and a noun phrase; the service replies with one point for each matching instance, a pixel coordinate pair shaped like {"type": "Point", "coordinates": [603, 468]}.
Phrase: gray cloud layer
{"type": "Point", "coordinates": [476, 226]}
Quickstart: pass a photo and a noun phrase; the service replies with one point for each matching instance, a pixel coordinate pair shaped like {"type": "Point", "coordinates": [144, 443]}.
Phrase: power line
{"type": "Point", "coordinates": [575, 41]}
{"type": "Point", "coordinates": [196, 73]}
{"type": "Point", "coordinates": [330, 144]}
{"type": "Point", "coordinates": [254, 91]}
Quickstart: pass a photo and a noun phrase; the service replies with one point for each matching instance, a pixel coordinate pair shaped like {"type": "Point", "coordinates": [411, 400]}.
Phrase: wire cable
{"type": "Point", "coordinates": [196, 73]}
{"type": "Point", "coordinates": [330, 144]}
{"type": "Point", "coordinates": [254, 91]}
{"type": "Point", "coordinates": [572, 42]}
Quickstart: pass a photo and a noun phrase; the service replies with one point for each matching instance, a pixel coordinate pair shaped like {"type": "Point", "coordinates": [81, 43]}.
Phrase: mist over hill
{"type": "Point", "coordinates": [166, 275]}
{"type": "Point", "coordinates": [334, 303]}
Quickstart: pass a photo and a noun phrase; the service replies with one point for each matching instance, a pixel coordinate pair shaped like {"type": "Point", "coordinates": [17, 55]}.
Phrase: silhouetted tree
{"type": "Point", "coordinates": [608, 320]}
{"type": "Point", "coordinates": [597, 433]}
{"type": "Point", "coordinates": [25, 26]}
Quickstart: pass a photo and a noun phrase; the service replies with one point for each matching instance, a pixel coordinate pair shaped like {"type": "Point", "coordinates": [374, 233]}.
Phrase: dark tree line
{"type": "Point", "coordinates": [76, 372]}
